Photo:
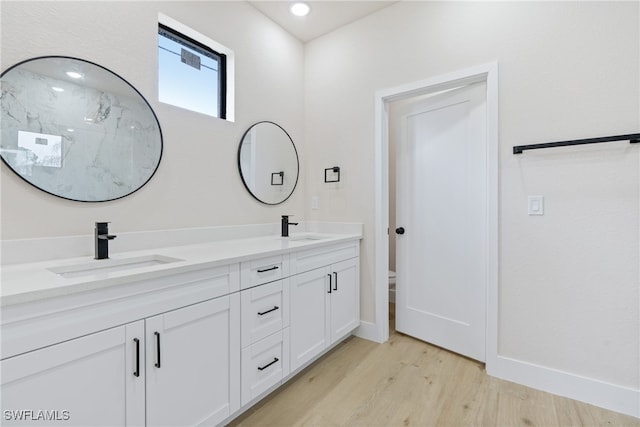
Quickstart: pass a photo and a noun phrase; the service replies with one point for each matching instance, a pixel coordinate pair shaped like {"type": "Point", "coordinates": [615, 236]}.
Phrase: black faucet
{"type": "Point", "coordinates": [285, 225]}
{"type": "Point", "coordinates": [102, 240]}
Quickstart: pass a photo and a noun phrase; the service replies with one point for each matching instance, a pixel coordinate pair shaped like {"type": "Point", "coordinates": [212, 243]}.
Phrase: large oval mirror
{"type": "Point", "coordinates": [268, 163]}
{"type": "Point", "coordinates": [76, 130]}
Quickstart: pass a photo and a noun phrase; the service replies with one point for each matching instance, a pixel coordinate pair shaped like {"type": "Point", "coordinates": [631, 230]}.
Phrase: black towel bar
{"type": "Point", "coordinates": [633, 138]}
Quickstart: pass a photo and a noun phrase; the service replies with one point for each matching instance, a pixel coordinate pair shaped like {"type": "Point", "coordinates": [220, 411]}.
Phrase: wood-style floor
{"type": "Point", "coordinates": [406, 382]}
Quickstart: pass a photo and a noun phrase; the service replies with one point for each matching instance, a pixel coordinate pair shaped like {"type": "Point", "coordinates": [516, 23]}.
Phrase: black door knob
{"type": "Point", "coordinates": [400, 230]}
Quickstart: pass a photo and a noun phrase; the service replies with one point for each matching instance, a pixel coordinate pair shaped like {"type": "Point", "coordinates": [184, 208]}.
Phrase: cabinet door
{"type": "Point", "coordinates": [88, 381]}
{"type": "Point", "coordinates": [309, 296]}
{"type": "Point", "coordinates": [193, 363]}
{"type": "Point", "coordinates": [345, 298]}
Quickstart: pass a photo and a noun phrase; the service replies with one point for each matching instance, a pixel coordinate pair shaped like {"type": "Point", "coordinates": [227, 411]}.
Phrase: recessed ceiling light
{"type": "Point", "coordinates": [57, 89]}
{"type": "Point", "coordinates": [300, 9]}
{"type": "Point", "coordinates": [74, 75]}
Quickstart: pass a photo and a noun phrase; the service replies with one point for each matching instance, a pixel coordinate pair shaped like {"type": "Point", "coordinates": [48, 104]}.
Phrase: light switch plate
{"type": "Point", "coordinates": [535, 205]}
{"type": "Point", "coordinates": [315, 202]}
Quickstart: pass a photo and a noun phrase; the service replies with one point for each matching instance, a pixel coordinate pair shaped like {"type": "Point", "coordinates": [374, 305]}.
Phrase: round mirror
{"type": "Point", "coordinates": [77, 130]}
{"type": "Point", "coordinates": [268, 163]}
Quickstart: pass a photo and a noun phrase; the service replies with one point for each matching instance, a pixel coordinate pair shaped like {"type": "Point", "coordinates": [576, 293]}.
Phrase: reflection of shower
{"type": "Point", "coordinates": [45, 150]}
{"type": "Point", "coordinates": [103, 109]}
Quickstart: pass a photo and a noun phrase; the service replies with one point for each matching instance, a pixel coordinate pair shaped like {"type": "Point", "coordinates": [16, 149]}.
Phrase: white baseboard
{"type": "Point", "coordinates": [625, 400]}
{"type": "Point", "coordinates": [599, 393]}
{"type": "Point", "coordinates": [368, 331]}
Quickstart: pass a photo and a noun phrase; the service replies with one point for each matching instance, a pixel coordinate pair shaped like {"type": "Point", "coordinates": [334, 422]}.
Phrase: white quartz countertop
{"type": "Point", "coordinates": [34, 281]}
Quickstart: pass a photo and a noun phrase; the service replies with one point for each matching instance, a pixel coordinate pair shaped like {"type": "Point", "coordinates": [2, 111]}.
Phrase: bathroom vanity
{"type": "Point", "coordinates": [184, 335]}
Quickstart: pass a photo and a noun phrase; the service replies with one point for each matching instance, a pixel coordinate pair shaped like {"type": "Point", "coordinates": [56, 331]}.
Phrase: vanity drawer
{"type": "Point", "coordinates": [263, 270]}
{"type": "Point", "coordinates": [265, 310]}
{"type": "Point", "coordinates": [310, 259]}
{"type": "Point", "coordinates": [264, 365]}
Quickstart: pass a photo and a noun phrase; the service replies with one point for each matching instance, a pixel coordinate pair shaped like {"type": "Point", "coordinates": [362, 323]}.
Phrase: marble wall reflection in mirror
{"type": "Point", "coordinates": [268, 163]}
{"type": "Point", "coordinates": [76, 130]}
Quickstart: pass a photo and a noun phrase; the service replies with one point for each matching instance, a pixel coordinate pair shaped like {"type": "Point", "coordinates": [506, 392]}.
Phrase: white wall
{"type": "Point", "coordinates": [569, 280]}
{"type": "Point", "coordinates": [197, 183]}
{"type": "Point", "coordinates": [569, 292]}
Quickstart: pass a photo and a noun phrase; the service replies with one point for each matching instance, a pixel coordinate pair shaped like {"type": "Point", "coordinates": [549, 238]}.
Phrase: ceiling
{"type": "Point", "coordinates": [325, 16]}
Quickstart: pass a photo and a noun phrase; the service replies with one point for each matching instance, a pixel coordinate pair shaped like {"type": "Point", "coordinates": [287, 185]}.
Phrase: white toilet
{"type": "Point", "coordinates": [392, 286]}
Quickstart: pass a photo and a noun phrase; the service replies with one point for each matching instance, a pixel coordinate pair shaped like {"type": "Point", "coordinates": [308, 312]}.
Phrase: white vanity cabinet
{"type": "Point", "coordinates": [310, 318]}
{"type": "Point", "coordinates": [187, 360]}
{"type": "Point", "coordinates": [265, 325]}
{"type": "Point", "coordinates": [87, 381]}
{"type": "Point", "coordinates": [190, 344]}
{"type": "Point", "coordinates": [174, 361]}
{"type": "Point", "coordinates": [325, 301]}
{"type": "Point", "coordinates": [193, 364]}
{"type": "Point", "coordinates": [345, 299]}
{"type": "Point", "coordinates": [288, 323]}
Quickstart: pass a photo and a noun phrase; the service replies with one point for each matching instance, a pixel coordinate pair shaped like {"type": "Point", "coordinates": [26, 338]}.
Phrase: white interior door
{"type": "Point", "coordinates": [442, 206]}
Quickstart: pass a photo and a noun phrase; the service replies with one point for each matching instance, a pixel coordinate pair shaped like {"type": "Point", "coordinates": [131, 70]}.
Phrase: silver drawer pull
{"type": "Point", "coordinates": [275, 267]}
{"type": "Point", "coordinates": [262, 368]}
{"type": "Point", "coordinates": [262, 313]}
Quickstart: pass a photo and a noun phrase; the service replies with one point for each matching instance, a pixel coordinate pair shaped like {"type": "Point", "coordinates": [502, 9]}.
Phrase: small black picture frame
{"type": "Point", "coordinates": [335, 170]}
{"type": "Point", "coordinates": [274, 178]}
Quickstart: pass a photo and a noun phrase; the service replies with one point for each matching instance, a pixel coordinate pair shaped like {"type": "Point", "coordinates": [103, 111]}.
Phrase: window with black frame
{"type": "Point", "coordinates": [191, 75]}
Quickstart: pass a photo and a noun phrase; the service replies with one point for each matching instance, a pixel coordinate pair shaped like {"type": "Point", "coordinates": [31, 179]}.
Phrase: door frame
{"type": "Point", "coordinates": [487, 73]}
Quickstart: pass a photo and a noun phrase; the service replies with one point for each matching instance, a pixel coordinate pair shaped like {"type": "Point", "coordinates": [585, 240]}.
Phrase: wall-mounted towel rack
{"type": "Point", "coordinates": [633, 138]}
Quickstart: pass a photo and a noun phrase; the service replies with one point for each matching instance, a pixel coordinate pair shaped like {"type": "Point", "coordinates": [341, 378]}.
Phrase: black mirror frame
{"type": "Point", "coordinates": [128, 84]}
{"type": "Point", "coordinates": [295, 150]}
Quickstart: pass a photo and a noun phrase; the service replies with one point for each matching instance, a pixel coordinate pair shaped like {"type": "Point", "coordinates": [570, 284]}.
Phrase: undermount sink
{"type": "Point", "coordinates": [111, 265]}
{"type": "Point", "coordinates": [304, 237]}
